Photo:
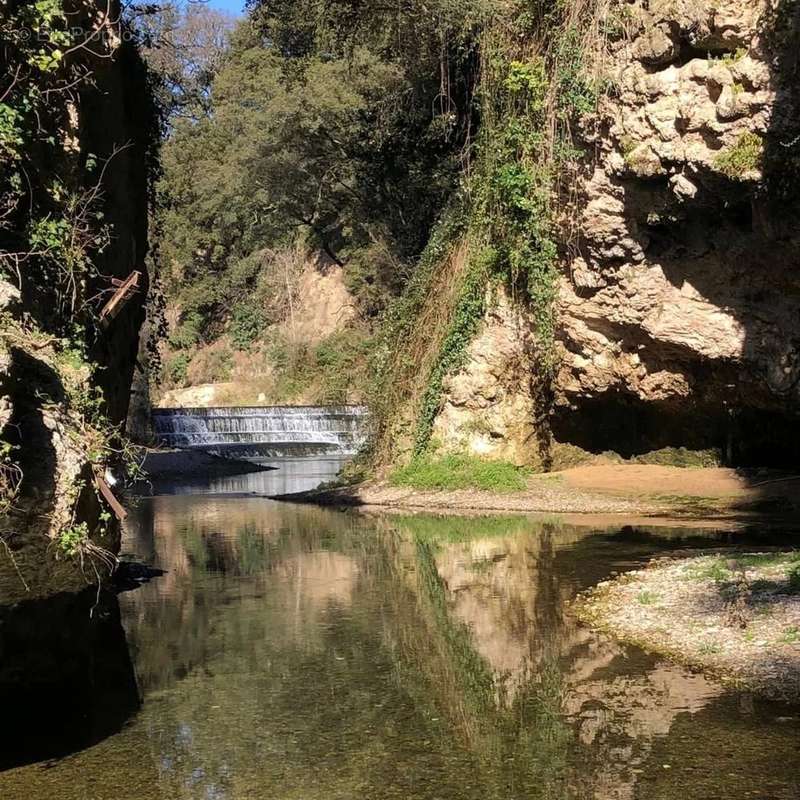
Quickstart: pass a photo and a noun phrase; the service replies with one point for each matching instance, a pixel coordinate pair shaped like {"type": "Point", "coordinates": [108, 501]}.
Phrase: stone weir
{"type": "Point", "coordinates": [264, 432]}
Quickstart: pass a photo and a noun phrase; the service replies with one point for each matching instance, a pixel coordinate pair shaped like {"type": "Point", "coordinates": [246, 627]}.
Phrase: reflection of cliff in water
{"type": "Point", "coordinates": [66, 679]}
{"type": "Point", "coordinates": [543, 702]}
{"type": "Point", "coordinates": [386, 652]}
{"type": "Point", "coordinates": [290, 651]}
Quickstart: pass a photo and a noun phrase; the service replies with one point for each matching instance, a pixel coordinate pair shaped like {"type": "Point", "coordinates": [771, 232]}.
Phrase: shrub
{"type": "Point", "coordinates": [745, 157]}
{"type": "Point", "coordinates": [467, 317]}
{"type": "Point", "coordinates": [341, 360]}
{"type": "Point", "coordinates": [187, 333]}
{"type": "Point", "coordinates": [647, 598]}
{"type": "Point", "coordinates": [460, 471]}
{"type": "Point", "coordinates": [338, 351]}
{"type": "Point", "coordinates": [247, 322]}
{"type": "Point", "coordinates": [218, 366]}
{"type": "Point", "coordinates": [177, 368]}
{"type": "Point", "coordinates": [374, 278]}
{"type": "Point", "coordinates": [278, 352]}
{"type": "Point", "coordinates": [794, 579]}
{"type": "Point", "coordinates": [71, 539]}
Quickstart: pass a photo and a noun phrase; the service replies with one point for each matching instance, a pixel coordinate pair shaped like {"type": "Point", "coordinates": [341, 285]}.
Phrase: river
{"type": "Point", "coordinates": [297, 652]}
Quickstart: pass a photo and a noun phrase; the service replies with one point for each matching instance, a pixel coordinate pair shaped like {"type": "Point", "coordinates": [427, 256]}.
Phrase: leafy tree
{"type": "Point", "coordinates": [342, 124]}
{"type": "Point", "coordinates": [186, 47]}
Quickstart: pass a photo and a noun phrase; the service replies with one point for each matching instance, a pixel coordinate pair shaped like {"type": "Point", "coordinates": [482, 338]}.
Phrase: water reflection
{"type": "Point", "coordinates": [66, 677]}
{"type": "Point", "coordinates": [532, 679]}
{"type": "Point", "coordinates": [288, 475]}
{"type": "Point", "coordinates": [293, 652]}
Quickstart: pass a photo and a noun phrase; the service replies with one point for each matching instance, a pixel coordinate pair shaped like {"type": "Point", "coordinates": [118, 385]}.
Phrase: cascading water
{"type": "Point", "coordinates": [264, 432]}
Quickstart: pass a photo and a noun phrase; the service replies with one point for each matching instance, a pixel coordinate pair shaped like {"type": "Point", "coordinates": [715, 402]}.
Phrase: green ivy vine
{"type": "Point", "coordinates": [534, 87]}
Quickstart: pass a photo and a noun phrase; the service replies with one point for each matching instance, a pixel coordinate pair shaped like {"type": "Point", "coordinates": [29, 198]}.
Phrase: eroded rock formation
{"type": "Point", "coordinates": [64, 375]}
{"type": "Point", "coordinates": [488, 407]}
{"type": "Point", "coordinates": [679, 312]}
{"type": "Point", "coordinates": [679, 304]}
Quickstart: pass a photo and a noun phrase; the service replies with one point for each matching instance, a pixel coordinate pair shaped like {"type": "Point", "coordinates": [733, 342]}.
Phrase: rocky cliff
{"type": "Point", "coordinates": [679, 298]}
{"type": "Point", "coordinates": [75, 232]}
{"type": "Point", "coordinates": [314, 309]}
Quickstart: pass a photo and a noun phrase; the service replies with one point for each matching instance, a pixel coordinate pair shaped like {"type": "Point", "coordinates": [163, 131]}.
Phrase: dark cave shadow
{"type": "Point", "coordinates": [738, 245]}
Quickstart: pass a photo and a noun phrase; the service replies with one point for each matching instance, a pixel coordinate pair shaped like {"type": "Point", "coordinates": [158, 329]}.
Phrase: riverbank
{"type": "Point", "coordinates": [631, 489]}
{"type": "Point", "coordinates": [734, 616]}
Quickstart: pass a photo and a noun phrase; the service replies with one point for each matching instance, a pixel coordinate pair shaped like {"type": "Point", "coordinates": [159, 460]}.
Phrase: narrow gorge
{"type": "Point", "coordinates": [399, 400]}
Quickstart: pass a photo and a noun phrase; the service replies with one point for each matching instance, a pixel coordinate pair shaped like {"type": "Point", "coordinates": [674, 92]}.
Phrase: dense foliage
{"type": "Point", "coordinates": [339, 125]}
{"type": "Point", "coordinates": [49, 226]}
{"type": "Point", "coordinates": [536, 85]}
{"type": "Point", "coordinates": [353, 128]}
{"type": "Point", "coordinates": [67, 66]}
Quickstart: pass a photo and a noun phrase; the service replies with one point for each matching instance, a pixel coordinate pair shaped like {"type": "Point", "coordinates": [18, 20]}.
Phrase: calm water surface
{"type": "Point", "coordinates": [299, 653]}
{"type": "Point", "coordinates": [288, 475]}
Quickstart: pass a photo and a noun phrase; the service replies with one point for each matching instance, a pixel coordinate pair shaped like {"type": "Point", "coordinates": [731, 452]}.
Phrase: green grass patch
{"type": "Point", "coordinates": [680, 457]}
{"type": "Point", "coordinates": [791, 635]}
{"type": "Point", "coordinates": [745, 157]}
{"type": "Point", "coordinates": [714, 570]}
{"type": "Point", "coordinates": [723, 568]}
{"type": "Point", "coordinates": [454, 530]}
{"type": "Point", "coordinates": [460, 471]}
{"type": "Point", "coordinates": [767, 559]}
{"type": "Point", "coordinates": [647, 598]}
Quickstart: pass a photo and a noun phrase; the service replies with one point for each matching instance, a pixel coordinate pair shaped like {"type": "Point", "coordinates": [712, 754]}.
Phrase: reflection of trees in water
{"type": "Point", "coordinates": [223, 553]}
{"type": "Point", "coordinates": [518, 744]}
{"type": "Point", "coordinates": [311, 654]}
{"type": "Point", "coordinates": [472, 632]}
{"type": "Point", "coordinates": [295, 691]}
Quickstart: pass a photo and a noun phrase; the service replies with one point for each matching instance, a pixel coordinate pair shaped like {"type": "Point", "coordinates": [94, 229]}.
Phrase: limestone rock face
{"type": "Point", "coordinates": [325, 303]}
{"type": "Point", "coordinates": [488, 408]}
{"type": "Point", "coordinates": [684, 292]}
{"type": "Point", "coordinates": [679, 309]}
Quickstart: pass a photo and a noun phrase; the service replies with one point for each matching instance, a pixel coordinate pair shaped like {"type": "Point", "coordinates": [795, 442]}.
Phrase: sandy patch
{"type": "Point", "coordinates": [649, 479]}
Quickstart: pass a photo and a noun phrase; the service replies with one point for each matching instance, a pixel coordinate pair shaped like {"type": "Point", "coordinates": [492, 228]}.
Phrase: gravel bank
{"type": "Point", "coordinates": [542, 496]}
{"type": "Point", "coordinates": [735, 616]}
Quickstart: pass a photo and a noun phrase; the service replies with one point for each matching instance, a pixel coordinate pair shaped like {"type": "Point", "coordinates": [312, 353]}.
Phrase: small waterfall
{"type": "Point", "coordinates": [267, 432]}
